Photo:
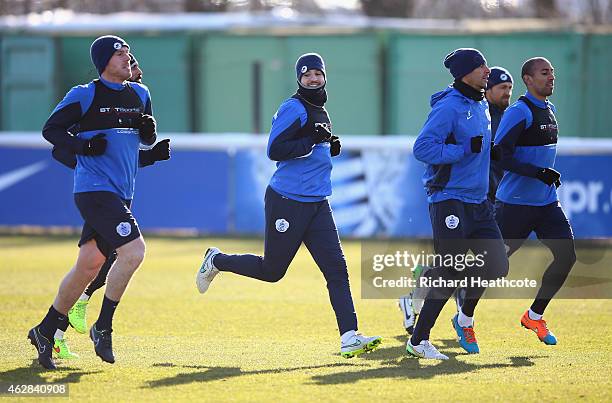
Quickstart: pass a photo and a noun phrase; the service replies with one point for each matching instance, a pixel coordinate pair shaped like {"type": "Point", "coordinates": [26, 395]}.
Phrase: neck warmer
{"type": "Point", "coordinates": [314, 96]}
{"type": "Point", "coordinates": [468, 91]}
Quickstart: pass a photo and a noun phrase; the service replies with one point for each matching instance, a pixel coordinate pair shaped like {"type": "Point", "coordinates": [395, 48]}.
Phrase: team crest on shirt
{"type": "Point", "coordinates": [452, 221]}
{"type": "Point", "coordinates": [282, 225]}
{"type": "Point", "coordinates": [124, 229]}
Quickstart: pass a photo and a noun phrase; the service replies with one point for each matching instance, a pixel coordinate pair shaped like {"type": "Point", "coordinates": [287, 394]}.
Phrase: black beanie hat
{"type": "Point", "coordinates": [103, 48]}
{"type": "Point", "coordinates": [498, 75]}
{"type": "Point", "coordinates": [463, 61]}
{"type": "Point", "coordinates": [307, 62]}
{"type": "Point", "coordinates": [133, 61]}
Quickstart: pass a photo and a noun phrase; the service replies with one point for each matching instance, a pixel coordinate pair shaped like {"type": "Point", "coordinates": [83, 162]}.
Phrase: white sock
{"type": "Point", "coordinates": [344, 339]}
{"type": "Point", "coordinates": [414, 345]}
{"type": "Point", "coordinates": [59, 334]}
{"type": "Point", "coordinates": [84, 297]}
{"type": "Point", "coordinates": [534, 316]}
{"type": "Point", "coordinates": [464, 320]}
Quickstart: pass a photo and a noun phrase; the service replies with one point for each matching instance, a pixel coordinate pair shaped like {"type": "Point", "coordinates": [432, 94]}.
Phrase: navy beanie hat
{"type": "Point", "coordinates": [499, 75]}
{"type": "Point", "coordinates": [103, 48]}
{"type": "Point", "coordinates": [133, 61]}
{"type": "Point", "coordinates": [462, 61]}
{"type": "Point", "coordinates": [307, 62]}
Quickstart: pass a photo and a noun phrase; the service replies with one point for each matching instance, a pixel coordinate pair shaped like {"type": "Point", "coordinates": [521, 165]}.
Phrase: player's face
{"type": "Point", "coordinates": [542, 83]}
{"type": "Point", "coordinates": [478, 77]}
{"type": "Point", "coordinates": [312, 79]}
{"type": "Point", "coordinates": [118, 67]}
{"type": "Point", "coordinates": [136, 74]}
{"type": "Point", "coordinates": [500, 95]}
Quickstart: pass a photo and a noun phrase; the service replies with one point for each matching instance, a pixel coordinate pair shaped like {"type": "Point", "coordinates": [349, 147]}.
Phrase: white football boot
{"type": "Point", "coordinates": [359, 344]}
{"type": "Point", "coordinates": [207, 272]}
{"type": "Point", "coordinates": [424, 350]}
{"type": "Point", "coordinates": [409, 315]}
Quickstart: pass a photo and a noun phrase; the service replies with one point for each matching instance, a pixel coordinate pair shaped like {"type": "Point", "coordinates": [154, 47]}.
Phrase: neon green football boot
{"type": "Point", "coordinates": [77, 316]}
{"type": "Point", "coordinates": [359, 344]}
{"type": "Point", "coordinates": [62, 351]}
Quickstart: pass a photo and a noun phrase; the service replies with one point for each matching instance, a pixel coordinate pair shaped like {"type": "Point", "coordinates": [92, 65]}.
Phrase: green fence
{"type": "Point", "coordinates": [229, 67]}
{"type": "Point", "coordinates": [378, 82]}
{"type": "Point", "coordinates": [166, 64]}
{"type": "Point", "coordinates": [416, 72]}
{"type": "Point", "coordinates": [28, 83]}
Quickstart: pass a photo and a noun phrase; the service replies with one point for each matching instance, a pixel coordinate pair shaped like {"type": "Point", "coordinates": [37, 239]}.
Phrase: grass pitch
{"type": "Point", "coordinates": [251, 341]}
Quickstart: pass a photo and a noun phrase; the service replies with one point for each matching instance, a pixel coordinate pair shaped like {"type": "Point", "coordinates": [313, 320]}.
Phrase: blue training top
{"type": "Point", "coordinates": [522, 162]}
{"type": "Point", "coordinates": [303, 170]}
{"type": "Point", "coordinates": [453, 171]}
{"type": "Point", "coordinates": [112, 110]}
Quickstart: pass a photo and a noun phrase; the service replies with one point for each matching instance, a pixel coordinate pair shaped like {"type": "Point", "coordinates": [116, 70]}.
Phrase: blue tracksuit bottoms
{"type": "Point", "coordinates": [288, 224]}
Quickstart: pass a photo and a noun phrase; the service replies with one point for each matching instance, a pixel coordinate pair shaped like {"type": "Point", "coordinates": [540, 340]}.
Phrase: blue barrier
{"type": "Point", "coordinates": [209, 189]}
{"type": "Point", "coordinates": [190, 192]}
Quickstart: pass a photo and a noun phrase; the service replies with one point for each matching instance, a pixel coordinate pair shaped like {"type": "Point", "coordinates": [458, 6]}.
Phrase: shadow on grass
{"type": "Point", "coordinates": [218, 373]}
{"type": "Point", "coordinates": [391, 354]}
{"type": "Point", "coordinates": [413, 368]}
{"type": "Point", "coordinates": [33, 374]}
{"type": "Point", "coordinates": [395, 364]}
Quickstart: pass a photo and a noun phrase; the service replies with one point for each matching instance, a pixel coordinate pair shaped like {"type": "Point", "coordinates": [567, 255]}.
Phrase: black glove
{"type": "Point", "coordinates": [548, 176]}
{"type": "Point", "coordinates": [322, 134]}
{"type": "Point", "coordinates": [475, 145]}
{"type": "Point", "coordinates": [146, 128]}
{"type": "Point", "coordinates": [161, 150]}
{"type": "Point", "coordinates": [334, 146]}
{"type": "Point", "coordinates": [95, 145]}
{"type": "Point", "coordinates": [558, 183]}
{"type": "Point", "coordinates": [64, 156]}
{"type": "Point", "coordinates": [496, 152]}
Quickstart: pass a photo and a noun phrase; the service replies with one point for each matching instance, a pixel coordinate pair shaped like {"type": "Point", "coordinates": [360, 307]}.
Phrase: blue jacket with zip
{"type": "Point", "coordinates": [522, 163]}
{"type": "Point", "coordinates": [303, 170]}
{"type": "Point", "coordinates": [453, 171]}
